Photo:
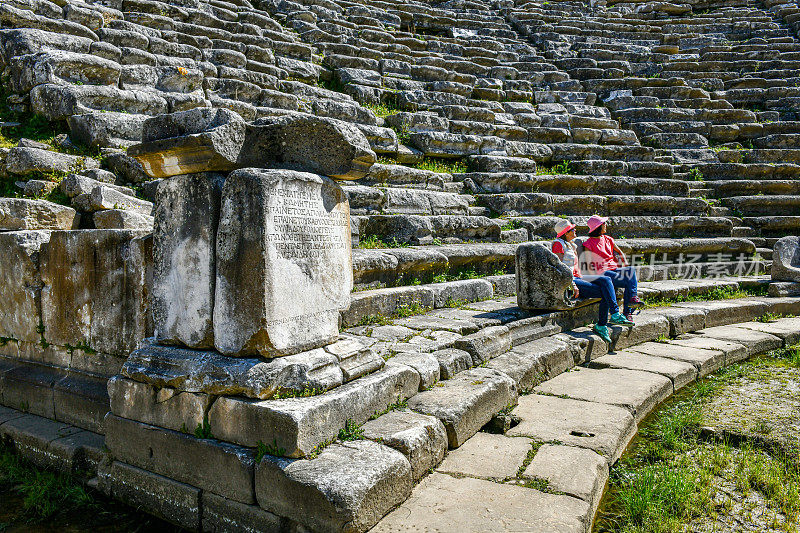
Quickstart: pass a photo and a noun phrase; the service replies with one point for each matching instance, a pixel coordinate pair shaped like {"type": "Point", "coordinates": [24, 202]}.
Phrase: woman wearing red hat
{"type": "Point", "coordinates": [591, 286]}
{"type": "Point", "coordinates": [602, 253]}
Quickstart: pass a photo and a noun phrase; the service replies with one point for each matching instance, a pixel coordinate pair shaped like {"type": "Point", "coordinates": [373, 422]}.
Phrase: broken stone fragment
{"type": "Point", "coordinates": [205, 139]}
{"type": "Point", "coordinates": [284, 267]}
{"type": "Point", "coordinates": [313, 144]}
{"type": "Point", "coordinates": [122, 219]}
{"type": "Point", "coordinates": [211, 373]}
{"type": "Point", "coordinates": [24, 214]}
{"type": "Point", "coordinates": [542, 280]}
{"type": "Point", "coordinates": [348, 487]}
{"type": "Point", "coordinates": [198, 140]}
{"type": "Point", "coordinates": [786, 259]}
{"type": "Point", "coordinates": [24, 160]}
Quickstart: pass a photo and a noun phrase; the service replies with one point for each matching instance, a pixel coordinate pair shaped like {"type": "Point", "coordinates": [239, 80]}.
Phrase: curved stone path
{"type": "Point", "coordinates": [549, 472]}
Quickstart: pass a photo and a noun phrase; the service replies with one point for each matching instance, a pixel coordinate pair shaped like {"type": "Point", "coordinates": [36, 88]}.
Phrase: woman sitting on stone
{"type": "Point", "coordinates": [589, 286]}
{"type": "Point", "coordinates": [601, 254]}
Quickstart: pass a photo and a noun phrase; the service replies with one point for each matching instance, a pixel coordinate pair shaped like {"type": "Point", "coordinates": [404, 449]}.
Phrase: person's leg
{"type": "Point", "coordinates": [620, 278]}
{"type": "Point", "coordinates": [590, 290]}
{"type": "Point", "coordinates": [608, 293]}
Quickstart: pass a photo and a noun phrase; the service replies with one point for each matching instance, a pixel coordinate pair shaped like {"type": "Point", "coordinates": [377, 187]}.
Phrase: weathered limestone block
{"type": "Point", "coordinates": [59, 102]}
{"type": "Point", "coordinates": [163, 407]}
{"type": "Point", "coordinates": [284, 267]}
{"type": "Point", "coordinates": [606, 429]}
{"type": "Point", "coordinates": [198, 140]}
{"type": "Point", "coordinates": [103, 197]}
{"type": "Point", "coordinates": [184, 265]}
{"type": "Point", "coordinates": [543, 281]}
{"type": "Point", "coordinates": [786, 259]}
{"type": "Point", "coordinates": [348, 487]}
{"type": "Point", "coordinates": [24, 160]}
{"type": "Point", "coordinates": [533, 362]}
{"type": "Point", "coordinates": [24, 214]}
{"type": "Point", "coordinates": [466, 402]}
{"type": "Point", "coordinates": [307, 143]}
{"type": "Point", "coordinates": [211, 373]}
{"type": "Point", "coordinates": [165, 498]}
{"type": "Point", "coordinates": [95, 289]}
{"type": "Point", "coordinates": [299, 425]}
{"type": "Point", "coordinates": [20, 290]}
{"type": "Point", "coordinates": [445, 503]}
{"type": "Point", "coordinates": [355, 359]}
{"type": "Point", "coordinates": [485, 344]}
{"type": "Point", "coordinates": [22, 41]}
{"type": "Point", "coordinates": [122, 219]}
{"type": "Point", "coordinates": [204, 463]}
{"type": "Point", "coordinates": [57, 66]}
{"type": "Point", "coordinates": [221, 515]}
{"type": "Point", "coordinates": [77, 184]}
{"type": "Point", "coordinates": [116, 130]}
{"type": "Point", "coordinates": [639, 392]}
{"type": "Point", "coordinates": [421, 438]}
{"type": "Point", "coordinates": [574, 471]}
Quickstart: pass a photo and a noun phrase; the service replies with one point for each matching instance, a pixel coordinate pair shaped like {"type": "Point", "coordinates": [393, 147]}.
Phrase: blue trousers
{"type": "Point", "coordinates": [601, 288]}
{"type": "Point", "coordinates": [624, 277]}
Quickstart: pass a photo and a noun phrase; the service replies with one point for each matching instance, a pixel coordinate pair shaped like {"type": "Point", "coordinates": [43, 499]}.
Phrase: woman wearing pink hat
{"type": "Point", "coordinates": [601, 257]}
{"type": "Point", "coordinates": [591, 286]}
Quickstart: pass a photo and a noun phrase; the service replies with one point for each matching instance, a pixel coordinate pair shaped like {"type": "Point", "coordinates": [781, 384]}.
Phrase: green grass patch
{"type": "Point", "coordinates": [442, 166]}
{"type": "Point", "coordinates": [369, 242]}
{"type": "Point", "coordinates": [716, 293]}
{"type": "Point", "coordinates": [44, 493]}
{"type": "Point", "coordinates": [672, 476]}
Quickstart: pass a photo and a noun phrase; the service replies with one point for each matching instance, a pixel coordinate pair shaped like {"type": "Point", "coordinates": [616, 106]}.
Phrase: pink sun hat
{"type": "Point", "coordinates": [563, 226]}
{"type": "Point", "coordinates": [595, 221]}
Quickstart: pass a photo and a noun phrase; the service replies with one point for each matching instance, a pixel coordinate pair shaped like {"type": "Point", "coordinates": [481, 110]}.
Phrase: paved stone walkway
{"type": "Point", "coordinates": [549, 472]}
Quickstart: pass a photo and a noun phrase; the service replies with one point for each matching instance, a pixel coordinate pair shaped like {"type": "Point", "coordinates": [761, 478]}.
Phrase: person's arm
{"type": "Point", "coordinates": [558, 250]}
{"type": "Point", "coordinates": [622, 260]}
{"type": "Point", "coordinates": [575, 292]}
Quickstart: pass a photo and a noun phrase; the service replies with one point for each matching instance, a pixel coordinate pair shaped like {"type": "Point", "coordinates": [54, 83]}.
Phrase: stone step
{"type": "Point", "coordinates": [508, 182]}
{"type": "Point", "coordinates": [751, 206]}
{"type": "Point", "coordinates": [636, 226]}
{"type": "Point", "coordinates": [530, 204]}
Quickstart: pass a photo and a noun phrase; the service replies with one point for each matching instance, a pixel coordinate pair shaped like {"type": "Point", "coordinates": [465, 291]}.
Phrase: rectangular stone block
{"type": "Point", "coordinates": [204, 463]}
{"type": "Point", "coordinates": [95, 292]}
{"type": "Point", "coordinates": [162, 407]}
{"type": "Point", "coordinates": [29, 387]}
{"type": "Point", "coordinates": [466, 402]}
{"type": "Point", "coordinates": [348, 487]}
{"type": "Point", "coordinates": [384, 302]}
{"type": "Point", "coordinates": [284, 267]}
{"type": "Point", "coordinates": [212, 373]}
{"type": "Point", "coordinates": [299, 425]}
{"type": "Point", "coordinates": [81, 400]}
{"type": "Point", "coordinates": [639, 392]}
{"type": "Point", "coordinates": [706, 361]}
{"type": "Point", "coordinates": [682, 319]}
{"type": "Point", "coordinates": [421, 438]}
{"type": "Point", "coordinates": [721, 313]}
{"type": "Point", "coordinates": [184, 266]}
{"type": "Point", "coordinates": [648, 327]}
{"type": "Point", "coordinates": [485, 344]}
{"type": "Point", "coordinates": [679, 372]}
{"type": "Point", "coordinates": [165, 498]}
{"type": "Point", "coordinates": [221, 515]}
{"type": "Point", "coordinates": [606, 429]}
{"type": "Point", "coordinates": [534, 362]}
{"type": "Point", "coordinates": [20, 290]}
{"type": "Point", "coordinates": [31, 435]}
{"type": "Point", "coordinates": [754, 341]}
{"type": "Point", "coordinates": [734, 352]}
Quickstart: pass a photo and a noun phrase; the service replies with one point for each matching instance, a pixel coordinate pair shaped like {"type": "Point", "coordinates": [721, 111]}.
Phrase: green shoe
{"type": "Point", "coordinates": [602, 331]}
{"type": "Point", "coordinates": [619, 319]}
